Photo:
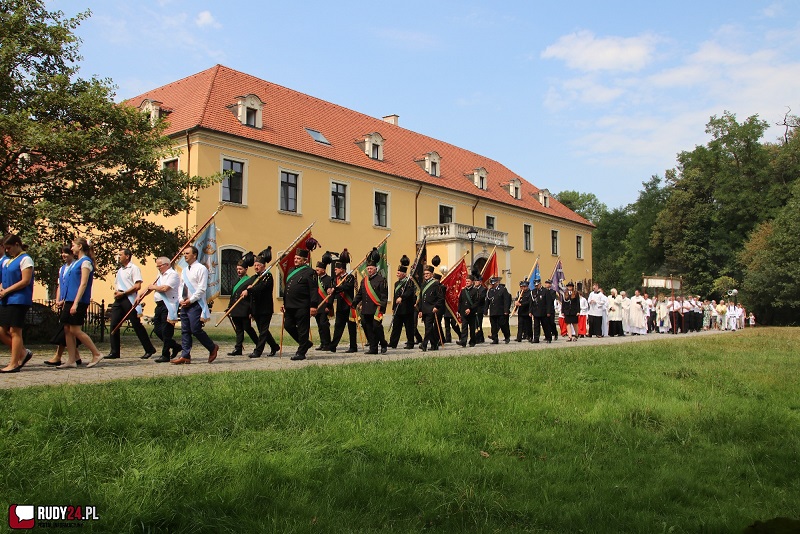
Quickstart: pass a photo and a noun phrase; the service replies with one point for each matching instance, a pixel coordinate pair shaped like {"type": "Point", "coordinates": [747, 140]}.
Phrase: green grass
{"type": "Point", "coordinates": [691, 435]}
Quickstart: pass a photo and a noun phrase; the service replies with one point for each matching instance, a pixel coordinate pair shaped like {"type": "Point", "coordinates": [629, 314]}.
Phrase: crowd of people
{"type": "Point", "coordinates": [338, 303]}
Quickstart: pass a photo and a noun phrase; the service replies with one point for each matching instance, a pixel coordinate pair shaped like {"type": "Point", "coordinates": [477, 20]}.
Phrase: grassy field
{"type": "Point", "coordinates": [690, 435]}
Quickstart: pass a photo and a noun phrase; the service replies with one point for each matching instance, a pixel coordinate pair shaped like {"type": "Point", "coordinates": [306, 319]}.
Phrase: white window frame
{"type": "Point", "coordinates": [555, 233]}
{"type": "Point", "coordinates": [439, 211]}
{"type": "Point", "coordinates": [494, 221]}
{"type": "Point", "coordinates": [530, 229]}
{"type": "Point", "coordinates": [219, 262]}
{"type": "Point", "coordinates": [299, 199]}
{"type": "Point", "coordinates": [388, 208]}
{"type": "Point", "coordinates": [347, 194]}
{"type": "Point", "coordinates": [579, 246]}
{"type": "Point", "coordinates": [245, 170]}
{"type": "Point", "coordinates": [167, 160]}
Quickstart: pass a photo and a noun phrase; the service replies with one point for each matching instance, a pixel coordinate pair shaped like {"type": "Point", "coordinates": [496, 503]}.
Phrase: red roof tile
{"type": "Point", "coordinates": [203, 100]}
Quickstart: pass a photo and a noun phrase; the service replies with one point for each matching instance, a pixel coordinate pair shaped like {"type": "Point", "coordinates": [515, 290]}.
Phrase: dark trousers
{"type": "Point", "coordinates": [499, 324]}
{"type": "Point", "coordinates": [468, 328]}
{"type": "Point", "coordinates": [118, 311]}
{"type": "Point", "coordinates": [400, 322]}
{"type": "Point", "coordinates": [264, 335]}
{"type": "Point", "coordinates": [297, 322]}
{"type": "Point", "coordinates": [595, 325]}
{"type": "Point", "coordinates": [324, 327]}
{"type": "Point", "coordinates": [543, 323]}
{"type": "Point", "coordinates": [615, 328]}
{"type": "Point", "coordinates": [165, 330]}
{"type": "Point", "coordinates": [479, 328]}
{"type": "Point", "coordinates": [373, 330]}
{"type": "Point", "coordinates": [450, 322]}
{"type": "Point", "coordinates": [677, 322]}
{"type": "Point", "coordinates": [191, 325]}
{"type": "Point", "coordinates": [240, 326]}
{"type": "Point", "coordinates": [524, 327]}
{"type": "Point", "coordinates": [431, 321]}
{"type": "Point", "coordinates": [342, 320]}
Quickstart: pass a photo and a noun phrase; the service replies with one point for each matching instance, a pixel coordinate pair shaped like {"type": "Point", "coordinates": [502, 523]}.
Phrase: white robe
{"type": "Point", "coordinates": [638, 321]}
{"type": "Point", "coordinates": [626, 315]}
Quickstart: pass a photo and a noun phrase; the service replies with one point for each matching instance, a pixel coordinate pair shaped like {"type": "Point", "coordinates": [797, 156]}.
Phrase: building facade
{"type": "Point", "coordinates": [292, 159]}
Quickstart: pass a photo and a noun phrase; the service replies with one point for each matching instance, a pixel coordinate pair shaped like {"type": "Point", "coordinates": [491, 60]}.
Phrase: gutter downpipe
{"type": "Point", "coordinates": [416, 208]}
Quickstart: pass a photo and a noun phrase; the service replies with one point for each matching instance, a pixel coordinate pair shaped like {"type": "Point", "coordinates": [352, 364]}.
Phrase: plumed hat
{"type": "Point", "coordinates": [404, 263]}
{"type": "Point", "coordinates": [265, 256]}
{"type": "Point", "coordinates": [374, 257]}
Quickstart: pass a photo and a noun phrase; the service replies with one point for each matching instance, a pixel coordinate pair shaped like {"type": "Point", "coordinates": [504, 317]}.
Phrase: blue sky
{"type": "Point", "coordinates": [583, 95]}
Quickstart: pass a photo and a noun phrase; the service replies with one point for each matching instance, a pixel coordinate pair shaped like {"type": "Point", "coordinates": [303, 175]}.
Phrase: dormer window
{"type": "Point", "coordinates": [431, 163]}
{"type": "Point", "coordinates": [544, 198]}
{"type": "Point", "coordinates": [152, 108]}
{"type": "Point", "coordinates": [248, 110]}
{"type": "Point", "coordinates": [478, 177]}
{"type": "Point", "coordinates": [515, 189]}
{"type": "Point", "coordinates": [373, 146]}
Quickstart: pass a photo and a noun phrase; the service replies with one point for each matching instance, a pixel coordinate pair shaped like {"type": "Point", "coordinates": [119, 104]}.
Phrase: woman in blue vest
{"type": "Point", "coordinates": [60, 338]}
{"type": "Point", "coordinates": [77, 294]}
{"type": "Point", "coordinates": [16, 297]}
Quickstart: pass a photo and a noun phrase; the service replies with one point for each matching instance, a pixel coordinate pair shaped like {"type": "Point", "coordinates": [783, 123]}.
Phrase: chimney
{"type": "Point", "coordinates": [392, 119]}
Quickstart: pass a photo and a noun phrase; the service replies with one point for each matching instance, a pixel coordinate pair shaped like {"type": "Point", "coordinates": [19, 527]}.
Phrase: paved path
{"type": "Point", "coordinates": [131, 366]}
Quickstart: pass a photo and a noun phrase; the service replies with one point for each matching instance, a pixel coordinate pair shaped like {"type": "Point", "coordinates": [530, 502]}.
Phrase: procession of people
{"type": "Point", "coordinates": [349, 301]}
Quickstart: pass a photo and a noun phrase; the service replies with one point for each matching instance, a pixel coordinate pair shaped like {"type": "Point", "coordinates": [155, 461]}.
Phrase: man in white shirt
{"type": "Point", "coordinates": [192, 294]}
{"type": "Point", "coordinates": [126, 290]}
{"type": "Point", "coordinates": [166, 313]}
{"type": "Point", "coordinates": [598, 305]}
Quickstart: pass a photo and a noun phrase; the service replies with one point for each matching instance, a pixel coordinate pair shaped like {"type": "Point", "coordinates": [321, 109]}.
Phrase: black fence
{"type": "Point", "coordinates": [41, 322]}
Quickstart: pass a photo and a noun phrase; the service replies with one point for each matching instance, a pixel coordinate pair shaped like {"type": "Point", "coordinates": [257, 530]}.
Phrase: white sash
{"type": "Point", "coordinates": [123, 283]}
{"type": "Point", "coordinates": [206, 313]}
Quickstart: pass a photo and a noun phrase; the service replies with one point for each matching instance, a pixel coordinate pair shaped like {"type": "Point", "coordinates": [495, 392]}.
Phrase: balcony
{"type": "Point", "coordinates": [458, 232]}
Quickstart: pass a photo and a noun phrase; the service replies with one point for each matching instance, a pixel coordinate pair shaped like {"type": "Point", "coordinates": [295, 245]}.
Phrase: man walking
{"type": "Point", "coordinates": [194, 283]}
{"type": "Point", "coordinates": [259, 291]}
{"type": "Point", "coordinates": [166, 313]}
{"type": "Point", "coordinates": [126, 288]}
{"type": "Point", "coordinates": [498, 302]}
{"type": "Point", "coordinates": [300, 300]}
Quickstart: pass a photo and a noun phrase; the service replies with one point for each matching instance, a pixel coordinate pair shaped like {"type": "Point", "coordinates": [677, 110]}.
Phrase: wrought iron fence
{"type": "Point", "coordinates": [42, 323]}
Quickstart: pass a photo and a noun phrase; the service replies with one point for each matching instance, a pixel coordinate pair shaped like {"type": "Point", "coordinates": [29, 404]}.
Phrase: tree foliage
{"type": "Point", "coordinates": [587, 205]}
{"type": "Point", "coordinates": [72, 161]}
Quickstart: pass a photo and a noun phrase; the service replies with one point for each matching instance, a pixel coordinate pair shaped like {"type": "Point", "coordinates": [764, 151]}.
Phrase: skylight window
{"type": "Point", "coordinates": [317, 136]}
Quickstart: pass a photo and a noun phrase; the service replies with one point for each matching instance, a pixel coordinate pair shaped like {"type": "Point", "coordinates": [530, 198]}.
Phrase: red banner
{"type": "Point", "coordinates": [490, 268]}
{"type": "Point", "coordinates": [287, 262]}
{"type": "Point", "coordinates": [453, 283]}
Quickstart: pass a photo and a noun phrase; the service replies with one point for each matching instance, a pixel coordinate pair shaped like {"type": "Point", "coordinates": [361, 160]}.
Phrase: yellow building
{"type": "Point", "coordinates": [296, 159]}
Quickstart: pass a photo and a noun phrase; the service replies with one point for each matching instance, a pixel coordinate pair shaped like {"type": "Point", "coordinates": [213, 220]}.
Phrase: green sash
{"type": "Point", "coordinates": [427, 286]}
{"type": "Point", "coordinates": [296, 270]}
{"type": "Point", "coordinates": [241, 281]}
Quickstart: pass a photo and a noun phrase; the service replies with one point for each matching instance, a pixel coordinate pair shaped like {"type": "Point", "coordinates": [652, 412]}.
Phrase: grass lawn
{"type": "Point", "coordinates": [688, 435]}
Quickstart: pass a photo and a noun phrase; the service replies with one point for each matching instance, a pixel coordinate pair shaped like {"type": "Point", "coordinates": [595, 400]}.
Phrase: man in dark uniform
{"type": "Point", "coordinates": [240, 314]}
{"type": "Point", "coordinates": [552, 296]}
{"type": "Point", "coordinates": [523, 306]}
{"type": "Point", "coordinates": [498, 302]}
{"type": "Point", "coordinates": [467, 301]}
{"type": "Point", "coordinates": [343, 295]}
{"type": "Point", "coordinates": [404, 316]}
{"type": "Point", "coordinates": [542, 310]}
{"type": "Point", "coordinates": [480, 307]}
{"type": "Point", "coordinates": [373, 295]}
{"type": "Point", "coordinates": [261, 306]}
{"type": "Point", "coordinates": [430, 305]}
{"type": "Point", "coordinates": [324, 283]}
{"type": "Point", "coordinates": [300, 300]}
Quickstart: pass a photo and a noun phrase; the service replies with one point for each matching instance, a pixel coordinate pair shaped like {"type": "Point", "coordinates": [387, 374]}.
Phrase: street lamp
{"type": "Point", "coordinates": [472, 235]}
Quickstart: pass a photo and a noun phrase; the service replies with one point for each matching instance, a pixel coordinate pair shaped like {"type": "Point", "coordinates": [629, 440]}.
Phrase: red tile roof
{"type": "Point", "coordinates": [203, 100]}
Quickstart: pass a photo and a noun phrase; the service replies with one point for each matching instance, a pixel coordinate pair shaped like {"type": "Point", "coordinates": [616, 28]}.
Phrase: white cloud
{"type": "Point", "coordinates": [772, 10]}
{"type": "Point", "coordinates": [583, 51]}
{"type": "Point", "coordinates": [206, 19]}
{"type": "Point", "coordinates": [407, 39]}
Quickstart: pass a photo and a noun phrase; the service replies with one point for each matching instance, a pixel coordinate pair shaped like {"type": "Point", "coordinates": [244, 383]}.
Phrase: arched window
{"type": "Point", "coordinates": [229, 257]}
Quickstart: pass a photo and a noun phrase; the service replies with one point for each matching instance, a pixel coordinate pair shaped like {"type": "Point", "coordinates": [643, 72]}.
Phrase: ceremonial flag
{"type": "Point", "coordinates": [286, 263]}
{"type": "Point", "coordinates": [490, 267]}
{"type": "Point", "coordinates": [558, 279]}
{"type": "Point", "coordinates": [454, 281]}
{"type": "Point", "coordinates": [206, 243]}
{"type": "Point", "coordinates": [535, 274]}
{"type": "Point", "coordinates": [418, 269]}
{"type": "Point", "coordinates": [383, 264]}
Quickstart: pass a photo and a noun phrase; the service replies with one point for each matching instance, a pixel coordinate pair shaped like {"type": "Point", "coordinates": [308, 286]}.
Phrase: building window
{"type": "Point", "coordinates": [318, 136]}
{"type": "Point", "coordinates": [227, 274]}
{"type": "Point", "coordinates": [171, 165]}
{"type": "Point", "coordinates": [233, 183]}
{"type": "Point", "coordinates": [544, 198]}
{"type": "Point", "coordinates": [338, 201]}
{"type": "Point", "coordinates": [579, 246]}
{"type": "Point", "coordinates": [376, 152]}
{"type": "Point", "coordinates": [490, 222]}
{"type": "Point", "coordinates": [515, 189]}
{"type": "Point", "coordinates": [381, 209]}
{"type": "Point", "coordinates": [252, 115]}
{"type": "Point", "coordinates": [445, 214]}
{"type": "Point", "coordinates": [430, 163]}
{"type": "Point", "coordinates": [482, 182]}
{"type": "Point", "coordinates": [289, 183]}
{"type": "Point", "coordinates": [554, 242]}
{"type": "Point", "coordinates": [434, 168]}
{"type": "Point", "coordinates": [527, 236]}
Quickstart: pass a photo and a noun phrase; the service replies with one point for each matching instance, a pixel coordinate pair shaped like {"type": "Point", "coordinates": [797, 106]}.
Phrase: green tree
{"type": "Point", "coordinates": [72, 161]}
{"type": "Point", "coordinates": [587, 205]}
{"type": "Point", "coordinates": [607, 241]}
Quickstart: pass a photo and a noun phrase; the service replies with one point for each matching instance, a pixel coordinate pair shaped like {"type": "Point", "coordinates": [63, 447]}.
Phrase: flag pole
{"type": "Point", "coordinates": [139, 299]}
{"type": "Point", "coordinates": [446, 305]}
{"type": "Point", "coordinates": [348, 273]}
{"type": "Point", "coordinates": [483, 269]}
{"type": "Point", "coordinates": [267, 270]}
{"type": "Point", "coordinates": [516, 304]}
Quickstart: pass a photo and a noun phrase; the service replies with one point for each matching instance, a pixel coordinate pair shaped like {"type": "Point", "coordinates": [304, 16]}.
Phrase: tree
{"type": "Point", "coordinates": [587, 205]}
{"type": "Point", "coordinates": [73, 162]}
{"type": "Point", "coordinates": [612, 230]}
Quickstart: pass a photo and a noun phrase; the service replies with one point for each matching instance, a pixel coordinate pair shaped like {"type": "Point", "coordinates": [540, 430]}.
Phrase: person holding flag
{"type": "Point", "coordinates": [126, 290]}
{"type": "Point", "coordinates": [405, 298]}
{"type": "Point", "coordinates": [259, 291]}
{"type": "Point", "coordinates": [430, 305]}
{"type": "Point", "coordinates": [467, 310]}
{"type": "Point", "coordinates": [480, 306]}
{"type": "Point", "coordinates": [373, 296]}
{"type": "Point", "coordinates": [523, 308]}
{"type": "Point", "coordinates": [166, 314]}
{"type": "Point", "coordinates": [192, 291]}
{"type": "Point", "coordinates": [324, 286]}
{"type": "Point", "coordinates": [300, 300]}
{"type": "Point", "coordinates": [343, 294]}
